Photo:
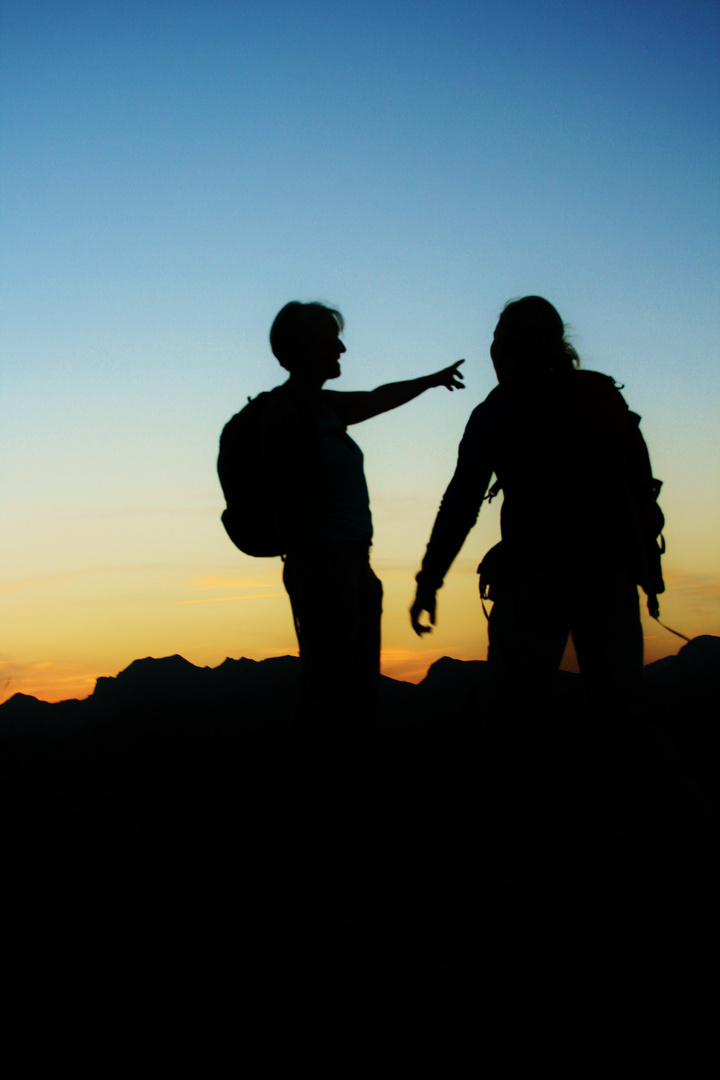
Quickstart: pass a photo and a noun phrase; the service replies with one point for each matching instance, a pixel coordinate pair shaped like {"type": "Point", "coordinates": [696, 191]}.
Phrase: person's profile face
{"type": "Point", "coordinates": [327, 348]}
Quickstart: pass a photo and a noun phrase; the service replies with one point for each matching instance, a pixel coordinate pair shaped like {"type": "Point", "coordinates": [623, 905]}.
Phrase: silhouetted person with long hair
{"type": "Point", "coordinates": [578, 517]}
{"type": "Point", "coordinates": [578, 523]}
{"type": "Point", "coordinates": [314, 476]}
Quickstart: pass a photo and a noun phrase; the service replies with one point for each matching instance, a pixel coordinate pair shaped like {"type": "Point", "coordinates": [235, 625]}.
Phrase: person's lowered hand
{"type": "Point", "coordinates": [424, 601]}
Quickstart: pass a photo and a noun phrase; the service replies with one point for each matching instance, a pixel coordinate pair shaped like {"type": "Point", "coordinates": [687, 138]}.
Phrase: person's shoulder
{"type": "Point", "coordinates": [597, 386]}
{"type": "Point", "coordinates": [495, 405]}
{"type": "Point", "coordinates": [281, 399]}
{"type": "Point", "coordinates": [279, 408]}
{"type": "Point", "coordinates": [487, 419]}
{"type": "Point", "coordinates": [596, 401]}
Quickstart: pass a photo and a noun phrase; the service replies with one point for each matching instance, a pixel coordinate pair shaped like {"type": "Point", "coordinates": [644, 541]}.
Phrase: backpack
{"type": "Point", "coordinates": [247, 517]}
{"type": "Point", "coordinates": [637, 492]}
{"type": "Point", "coordinates": [646, 521]}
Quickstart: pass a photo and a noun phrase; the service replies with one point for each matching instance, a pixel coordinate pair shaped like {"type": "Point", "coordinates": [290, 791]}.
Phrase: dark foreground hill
{"type": "Point", "coordinates": [170, 889]}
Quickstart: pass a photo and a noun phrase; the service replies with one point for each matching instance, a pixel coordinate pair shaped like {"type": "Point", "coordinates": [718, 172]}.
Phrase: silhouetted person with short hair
{"type": "Point", "coordinates": [315, 481]}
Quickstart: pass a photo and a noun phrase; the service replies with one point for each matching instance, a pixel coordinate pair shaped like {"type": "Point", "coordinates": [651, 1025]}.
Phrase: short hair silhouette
{"type": "Point", "coordinates": [293, 328]}
{"type": "Point", "coordinates": [531, 333]}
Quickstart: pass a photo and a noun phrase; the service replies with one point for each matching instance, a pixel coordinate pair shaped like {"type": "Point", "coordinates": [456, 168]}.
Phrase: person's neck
{"type": "Point", "coordinates": [305, 383]}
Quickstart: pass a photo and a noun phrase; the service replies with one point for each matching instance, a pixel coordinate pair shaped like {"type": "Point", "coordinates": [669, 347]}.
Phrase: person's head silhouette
{"type": "Point", "coordinates": [306, 336]}
{"type": "Point", "coordinates": [530, 339]}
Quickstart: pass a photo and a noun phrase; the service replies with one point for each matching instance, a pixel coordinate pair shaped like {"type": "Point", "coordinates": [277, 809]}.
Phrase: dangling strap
{"type": "Point", "coordinates": [669, 628]}
{"type": "Point", "coordinates": [654, 609]}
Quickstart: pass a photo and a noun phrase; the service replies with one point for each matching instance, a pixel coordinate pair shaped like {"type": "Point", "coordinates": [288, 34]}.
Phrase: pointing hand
{"type": "Point", "coordinates": [450, 377]}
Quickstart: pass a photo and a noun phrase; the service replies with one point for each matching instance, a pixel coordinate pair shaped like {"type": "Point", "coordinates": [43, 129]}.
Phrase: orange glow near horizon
{"type": "Point", "coordinates": [69, 628]}
{"type": "Point", "coordinates": [58, 680]}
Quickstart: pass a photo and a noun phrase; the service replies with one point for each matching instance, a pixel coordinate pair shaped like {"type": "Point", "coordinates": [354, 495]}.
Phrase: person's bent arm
{"type": "Point", "coordinates": [353, 408]}
{"type": "Point", "coordinates": [458, 513]}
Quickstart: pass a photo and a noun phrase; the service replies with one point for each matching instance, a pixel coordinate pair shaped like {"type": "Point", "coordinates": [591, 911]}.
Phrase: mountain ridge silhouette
{"type": "Point", "coordinates": [700, 657]}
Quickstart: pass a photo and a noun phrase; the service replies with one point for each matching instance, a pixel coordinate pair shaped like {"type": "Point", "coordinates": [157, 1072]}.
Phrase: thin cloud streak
{"type": "Point", "coordinates": [131, 511]}
{"type": "Point", "coordinates": [218, 581]}
{"type": "Point", "coordinates": [226, 599]}
{"type": "Point", "coordinates": [53, 580]}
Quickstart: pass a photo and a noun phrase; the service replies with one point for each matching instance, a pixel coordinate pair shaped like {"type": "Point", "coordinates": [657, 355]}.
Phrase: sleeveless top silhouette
{"type": "Point", "coordinates": [336, 504]}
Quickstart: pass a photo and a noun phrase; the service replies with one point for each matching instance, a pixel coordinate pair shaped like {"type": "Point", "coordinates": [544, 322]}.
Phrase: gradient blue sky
{"type": "Point", "coordinates": [173, 173]}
